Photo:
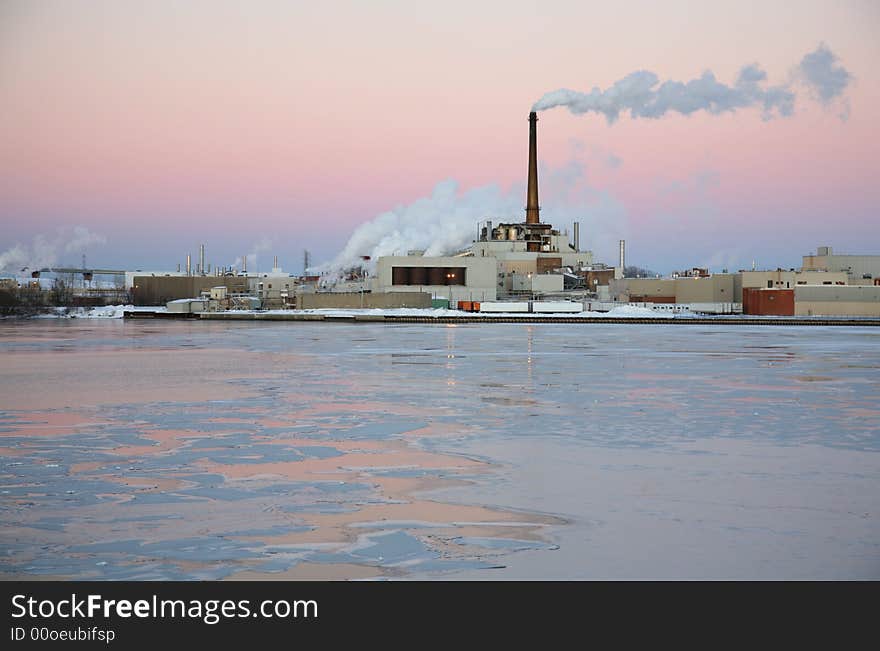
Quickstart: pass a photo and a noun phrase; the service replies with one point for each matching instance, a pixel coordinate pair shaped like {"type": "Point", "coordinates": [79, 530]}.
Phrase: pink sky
{"type": "Point", "coordinates": [160, 125]}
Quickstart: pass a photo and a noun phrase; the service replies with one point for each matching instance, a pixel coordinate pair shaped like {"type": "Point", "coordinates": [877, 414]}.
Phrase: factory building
{"type": "Point", "coordinates": [527, 259]}
{"type": "Point", "coordinates": [836, 300]}
{"type": "Point", "coordinates": [860, 269]}
{"type": "Point", "coordinates": [718, 288]}
{"type": "Point", "coordinates": [766, 293]}
{"type": "Point", "coordinates": [462, 278]}
{"type": "Point", "coordinates": [813, 300]}
{"type": "Point", "coordinates": [158, 290]}
{"type": "Point", "coordinates": [535, 284]}
{"type": "Point", "coordinates": [764, 301]}
{"type": "Point", "coordinates": [790, 279]}
{"type": "Point", "coordinates": [531, 246]}
{"type": "Point", "coordinates": [275, 288]}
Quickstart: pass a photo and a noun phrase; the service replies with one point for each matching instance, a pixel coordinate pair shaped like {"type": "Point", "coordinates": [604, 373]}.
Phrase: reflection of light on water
{"type": "Point", "coordinates": [450, 351]}
{"type": "Point", "coordinates": [686, 409]}
{"type": "Point", "coordinates": [530, 332]}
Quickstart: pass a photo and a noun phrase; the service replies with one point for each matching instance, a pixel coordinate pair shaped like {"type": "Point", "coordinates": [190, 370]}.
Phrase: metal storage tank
{"type": "Point", "coordinates": [511, 233]}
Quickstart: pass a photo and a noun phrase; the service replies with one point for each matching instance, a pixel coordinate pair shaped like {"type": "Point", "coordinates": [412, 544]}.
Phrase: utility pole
{"type": "Point", "coordinates": [363, 276]}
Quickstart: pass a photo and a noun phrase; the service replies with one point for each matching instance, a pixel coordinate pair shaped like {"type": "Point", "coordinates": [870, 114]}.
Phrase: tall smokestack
{"type": "Point", "coordinates": [577, 236]}
{"type": "Point", "coordinates": [622, 255]}
{"type": "Point", "coordinates": [188, 265]}
{"type": "Point", "coordinates": [275, 263]}
{"type": "Point", "coordinates": [202, 259]}
{"type": "Point", "coordinates": [244, 265]}
{"type": "Point", "coordinates": [532, 208]}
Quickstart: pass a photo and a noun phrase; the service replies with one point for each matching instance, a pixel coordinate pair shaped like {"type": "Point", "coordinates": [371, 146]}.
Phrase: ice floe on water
{"type": "Point", "coordinates": [515, 451]}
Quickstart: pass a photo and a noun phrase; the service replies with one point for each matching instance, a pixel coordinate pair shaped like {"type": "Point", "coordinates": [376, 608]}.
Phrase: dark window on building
{"type": "Point", "coordinates": [428, 276]}
{"type": "Point", "coordinates": [769, 284]}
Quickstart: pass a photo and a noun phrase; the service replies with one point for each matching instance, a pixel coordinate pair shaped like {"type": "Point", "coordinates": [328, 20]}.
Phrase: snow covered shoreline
{"type": "Point", "coordinates": [118, 311]}
{"type": "Point", "coordinates": [99, 312]}
{"type": "Point", "coordinates": [621, 311]}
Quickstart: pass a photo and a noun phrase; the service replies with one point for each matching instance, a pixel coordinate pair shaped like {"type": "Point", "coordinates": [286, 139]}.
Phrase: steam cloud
{"type": "Point", "coordinates": [264, 244]}
{"type": "Point", "coordinates": [440, 224]}
{"type": "Point", "coordinates": [446, 221]}
{"type": "Point", "coordinates": [819, 72]}
{"type": "Point", "coordinates": [639, 93]}
{"type": "Point", "coordinates": [44, 252]}
{"type": "Point", "coordinates": [83, 238]}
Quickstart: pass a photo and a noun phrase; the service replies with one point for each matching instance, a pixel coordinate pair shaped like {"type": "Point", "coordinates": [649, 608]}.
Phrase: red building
{"type": "Point", "coordinates": [768, 302]}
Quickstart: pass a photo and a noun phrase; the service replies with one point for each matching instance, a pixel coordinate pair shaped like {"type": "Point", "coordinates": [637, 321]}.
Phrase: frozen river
{"type": "Point", "coordinates": [192, 450]}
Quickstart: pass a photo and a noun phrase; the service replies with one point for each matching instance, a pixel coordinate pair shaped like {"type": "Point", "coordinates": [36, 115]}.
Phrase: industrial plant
{"type": "Point", "coordinates": [511, 266]}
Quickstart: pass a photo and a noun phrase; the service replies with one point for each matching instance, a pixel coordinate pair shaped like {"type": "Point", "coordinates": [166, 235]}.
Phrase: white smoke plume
{"type": "Point", "coordinates": [44, 252]}
{"type": "Point", "coordinates": [81, 239]}
{"type": "Point", "coordinates": [446, 222]}
{"type": "Point", "coordinates": [818, 71]}
{"type": "Point", "coordinates": [440, 224]}
{"type": "Point", "coordinates": [639, 93]}
{"type": "Point", "coordinates": [825, 80]}
{"type": "Point", "coordinates": [253, 256]}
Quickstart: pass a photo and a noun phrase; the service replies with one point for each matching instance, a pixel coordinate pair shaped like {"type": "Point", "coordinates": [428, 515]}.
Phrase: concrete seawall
{"type": "Point", "coordinates": [530, 318]}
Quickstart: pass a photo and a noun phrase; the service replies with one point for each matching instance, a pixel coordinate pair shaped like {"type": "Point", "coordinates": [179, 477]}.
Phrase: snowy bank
{"type": "Point", "coordinates": [98, 312]}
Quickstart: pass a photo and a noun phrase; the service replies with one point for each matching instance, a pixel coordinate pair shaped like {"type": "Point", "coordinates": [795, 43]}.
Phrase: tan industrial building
{"type": "Point", "coordinates": [720, 288]}
{"type": "Point", "coordinates": [860, 269]}
{"type": "Point", "coordinates": [790, 279]}
{"type": "Point", "coordinates": [158, 290]}
{"type": "Point", "coordinates": [836, 300]}
{"type": "Point", "coordinates": [275, 289]}
{"type": "Point", "coordinates": [535, 284]}
{"type": "Point", "coordinates": [717, 288]}
{"type": "Point", "coordinates": [456, 278]}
